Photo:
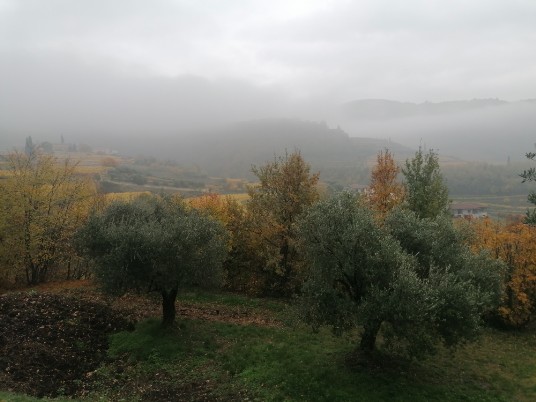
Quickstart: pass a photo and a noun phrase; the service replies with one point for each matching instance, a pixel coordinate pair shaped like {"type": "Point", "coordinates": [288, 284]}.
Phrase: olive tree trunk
{"type": "Point", "coordinates": [368, 339]}
{"type": "Point", "coordinates": [169, 311]}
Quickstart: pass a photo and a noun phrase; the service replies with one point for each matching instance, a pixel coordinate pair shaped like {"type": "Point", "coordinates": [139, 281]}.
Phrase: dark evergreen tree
{"type": "Point", "coordinates": [29, 147]}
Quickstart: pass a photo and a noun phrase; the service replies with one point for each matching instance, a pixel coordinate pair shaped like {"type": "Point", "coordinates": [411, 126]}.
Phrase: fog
{"type": "Point", "coordinates": [478, 131]}
{"type": "Point", "coordinates": [58, 93]}
{"type": "Point", "coordinates": [107, 73]}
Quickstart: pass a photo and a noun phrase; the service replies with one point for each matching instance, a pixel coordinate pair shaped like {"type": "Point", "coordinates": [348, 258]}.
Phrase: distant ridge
{"type": "Point", "coordinates": [232, 150]}
{"type": "Point", "coordinates": [389, 109]}
{"type": "Point", "coordinates": [491, 130]}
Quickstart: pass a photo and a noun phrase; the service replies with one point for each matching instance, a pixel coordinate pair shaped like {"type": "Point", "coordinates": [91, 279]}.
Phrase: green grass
{"type": "Point", "coordinates": [201, 296]}
{"type": "Point", "coordinates": [11, 397]}
{"type": "Point", "coordinates": [284, 364]}
{"type": "Point", "coordinates": [198, 360]}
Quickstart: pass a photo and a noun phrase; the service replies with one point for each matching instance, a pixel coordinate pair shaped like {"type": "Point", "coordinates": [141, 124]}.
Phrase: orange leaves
{"type": "Point", "coordinates": [514, 244]}
{"type": "Point", "coordinates": [286, 189]}
{"type": "Point", "coordinates": [384, 192]}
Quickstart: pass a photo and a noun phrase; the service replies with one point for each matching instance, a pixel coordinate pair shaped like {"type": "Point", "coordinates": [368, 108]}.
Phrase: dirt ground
{"type": "Point", "coordinates": [53, 338]}
{"type": "Point", "coordinates": [49, 342]}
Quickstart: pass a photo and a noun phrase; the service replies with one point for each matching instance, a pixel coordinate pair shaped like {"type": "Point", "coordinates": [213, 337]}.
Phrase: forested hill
{"type": "Point", "coordinates": [489, 130]}
{"type": "Point", "coordinates": [232, 150]}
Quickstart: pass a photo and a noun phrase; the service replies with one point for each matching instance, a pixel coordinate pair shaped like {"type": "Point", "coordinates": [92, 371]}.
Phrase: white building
{"type": "Point", "coordinates": [468, 210]}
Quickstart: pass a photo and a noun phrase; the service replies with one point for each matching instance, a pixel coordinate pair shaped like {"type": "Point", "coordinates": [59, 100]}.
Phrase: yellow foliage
{"type": "Point", "coordinates": [286, 189]}
{"type": "Point", "coordinates": [5, 173]}
{"type": "Point", "coordinates": [89, 170]}
{"type": "Point", "coordinates": [45, 201]}
{"type": "Point", "coordinates": [241, 197]}
{"type": "Point", "coordinates": [515, 244]}
{"type": "Point", "coordinates": [213, 204]}
{"type": "Point", "coordinates": [127, 196]}
{"type": "Point", "coordinates": [384, 193]}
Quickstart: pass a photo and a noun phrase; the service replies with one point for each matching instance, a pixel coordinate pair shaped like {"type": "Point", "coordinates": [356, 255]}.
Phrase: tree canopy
{"type": "Point", "coordinates": [286, 188]}
{"type": "Point", "coordinates": [154, 244]}
{"type": "Point", "coordinates": [45, 201]}
{"type": "Point", "coordinates": [515, 245]}
{"type": "Point", "coordinates": [417, 291]}
{"type": "Point", "coordinates": [426, 193]}
{"type": "Point", "coordinates": [384, 192]}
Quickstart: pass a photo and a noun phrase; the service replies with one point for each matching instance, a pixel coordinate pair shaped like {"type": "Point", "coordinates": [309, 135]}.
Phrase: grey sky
{"type": "Point", "coordinates": [412, 50]}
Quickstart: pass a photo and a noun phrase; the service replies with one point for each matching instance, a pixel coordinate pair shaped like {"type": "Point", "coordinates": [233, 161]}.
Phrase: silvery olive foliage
{"type": "Point", "coordinates": [413, 280]}
{"type": "Point", "coordinates": [154, 244]}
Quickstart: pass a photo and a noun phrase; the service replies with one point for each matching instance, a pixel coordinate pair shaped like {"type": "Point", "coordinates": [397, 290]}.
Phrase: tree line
{"type": "Point", "coordinates": [389, 261]}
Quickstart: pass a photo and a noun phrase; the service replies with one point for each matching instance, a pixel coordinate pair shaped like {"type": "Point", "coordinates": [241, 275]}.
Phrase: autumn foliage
{"type": "Point", "coordinates": [263, 257]}
{"type": "Point", "coordinates": [286, 189]}
{"type": "Point", "coordinates": [243, 267]}
{"type": "Point", "coordinates": [384, 192]}
{"type": "Point", "coordinates": [515, 244]}
{"type": "Point", "coordinates": [44, 201]}
{"type": "Point", "coordinates": [215, 205]}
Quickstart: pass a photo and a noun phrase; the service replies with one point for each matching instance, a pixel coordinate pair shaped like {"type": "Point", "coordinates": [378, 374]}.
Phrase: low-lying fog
{"type": "Point", "coordinates": [141, 77]}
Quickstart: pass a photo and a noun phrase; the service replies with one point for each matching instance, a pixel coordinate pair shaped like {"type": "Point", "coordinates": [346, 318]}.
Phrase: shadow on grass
{"type": "Point", "coordinates": [271, 364]}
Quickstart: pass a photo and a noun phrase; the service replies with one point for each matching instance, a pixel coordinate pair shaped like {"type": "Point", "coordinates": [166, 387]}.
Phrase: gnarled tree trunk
{"type": "Point", "coordinates": [168, 306]}
{"type": "Point", "coordinates": [368, 339]}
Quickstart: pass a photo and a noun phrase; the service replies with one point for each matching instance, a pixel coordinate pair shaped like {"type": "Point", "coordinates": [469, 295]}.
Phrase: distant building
{"type": "Point", "coordinates": [357, 188]}
{"type": "Point", "coordinates": [468, 210]}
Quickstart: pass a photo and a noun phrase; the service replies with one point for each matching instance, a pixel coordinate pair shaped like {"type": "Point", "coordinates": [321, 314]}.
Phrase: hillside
{"type": "Point", "coordinates": [488, 130]}
{"type": "Point", "coordinates": [233, 149]}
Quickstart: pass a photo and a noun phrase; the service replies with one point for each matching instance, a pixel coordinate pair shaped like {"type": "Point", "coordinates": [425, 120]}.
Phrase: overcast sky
{"type": "Point", "coordinates": [411, 50]}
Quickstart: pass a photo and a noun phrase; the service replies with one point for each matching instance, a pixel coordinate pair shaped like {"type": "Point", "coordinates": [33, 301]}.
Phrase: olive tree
{"type": "Point", "coordinates": [154, 244]}
{"type": "Point", "coordinates": [361, 276]}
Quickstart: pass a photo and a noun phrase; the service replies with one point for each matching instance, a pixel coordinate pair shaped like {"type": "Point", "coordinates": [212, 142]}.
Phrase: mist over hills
{"type": "Point", "coordinates": [488, 130]}
{"type": "Point", "coordinates": [389, 109]}
{"type": "Point", "coordinates": [61, 94]}
{"type": "Point", "coordinates": [195, 119]}
{"type": "Point", "coordinates": [232, 149]}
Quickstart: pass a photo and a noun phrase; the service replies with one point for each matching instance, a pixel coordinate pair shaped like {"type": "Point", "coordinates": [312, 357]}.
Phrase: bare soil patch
{"type": "Point", "coordinates": [53, 338]}
{"type": "Point", "coordinates": [50, 342]}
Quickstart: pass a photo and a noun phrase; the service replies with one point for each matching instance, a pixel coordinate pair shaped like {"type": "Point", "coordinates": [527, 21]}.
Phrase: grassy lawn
{"type": "Point", "coordinates": [202, 359]}
{"type": "Point", "coordinates": [284, 364]}
{"type": "Point", "coordinates": [11, 397]}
